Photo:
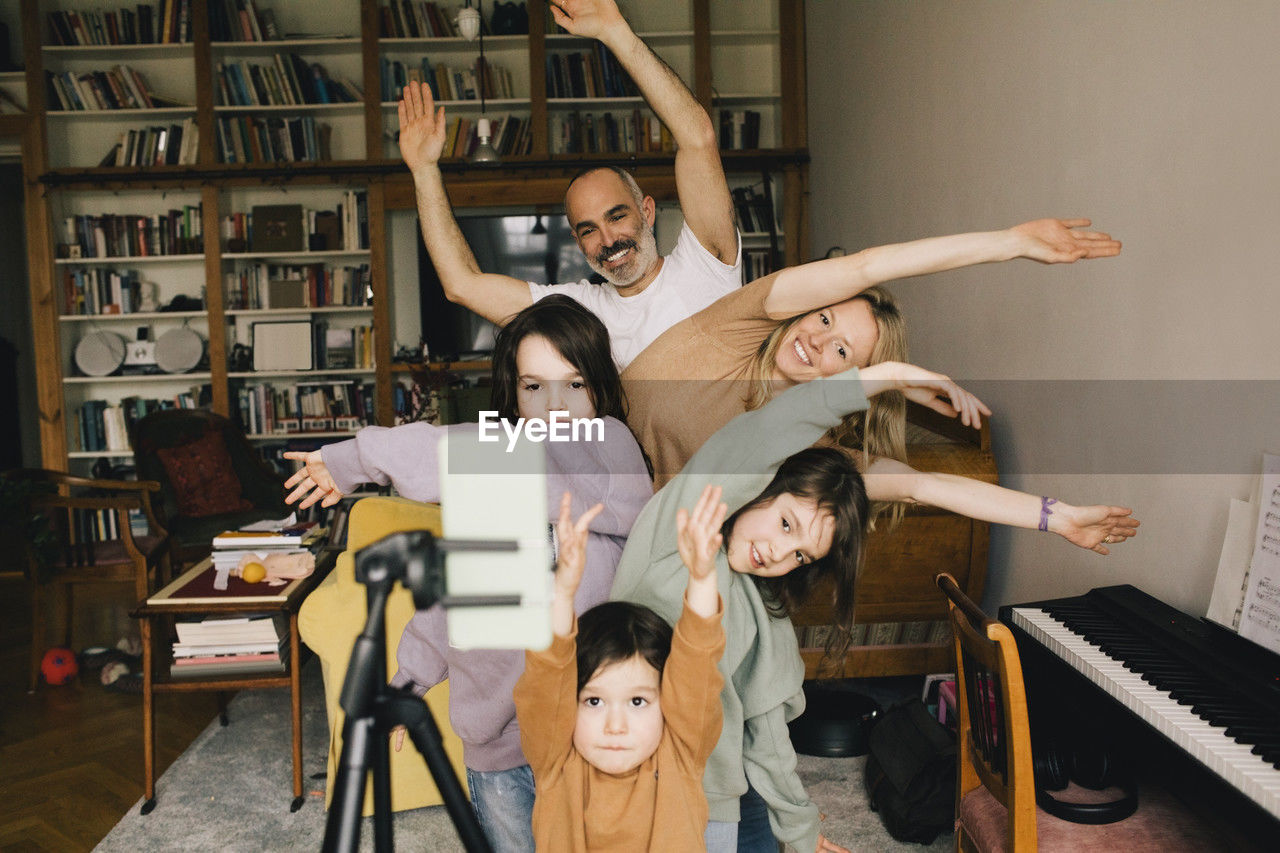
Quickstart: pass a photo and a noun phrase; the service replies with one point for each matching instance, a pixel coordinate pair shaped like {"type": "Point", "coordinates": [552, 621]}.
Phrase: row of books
{"type": "Point", "coordinates": [99, 290]}
{"type": "Point", "coordinates": [130, 235]}
{"type": "Point", "coordinates": [757, 263]}
{"type": "Point", "coordinates": [511, 135]}
{"type": "Point", "coordinates": [164, 22]}
{"type": "Point", "coordinates": [105, 426]}
{"type": "Point", "coordinates": [754, 213]}
{"type": "Point", "coordinates": [121, 88]}
{"type": "Point", "coordinates": [319, 285]}
{"type": "Point", "coordinates": [630, 132]}
{"type": "Point", "coordinates": [594, 73]}
{"type": "Point", "coordinates": [407, 19]}
{"type": "Point", "coordinates": [241, 20]}
{"type": "Point", "coordinates": [447, 83]}
{"type": "Point", "coordinates": [268, 409]}
{"type": "Point", "coordinates": [287, 80]}
{"type": "Point", "coordinates": [739, 130]}
{"type": "Point", "coordinates": [177, 144]}
{"type": "Point", "coordinates": [249, 139]}
{"type": "Point", "coordinates": [230, 645]}
{"type": "Point", "coordinates": [310, 229]}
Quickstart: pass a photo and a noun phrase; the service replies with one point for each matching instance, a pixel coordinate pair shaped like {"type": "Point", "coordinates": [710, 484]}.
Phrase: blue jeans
{"type": "Point", "coordinates": [751, 834]}
{"type": "Point", "coordinates": [754, 833]}
{"type": "Point", "coordinates": [503, 802]}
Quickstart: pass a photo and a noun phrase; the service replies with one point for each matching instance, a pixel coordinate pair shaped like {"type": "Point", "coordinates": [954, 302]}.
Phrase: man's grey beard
{"type": "Point", "coordinates": [646, 254]}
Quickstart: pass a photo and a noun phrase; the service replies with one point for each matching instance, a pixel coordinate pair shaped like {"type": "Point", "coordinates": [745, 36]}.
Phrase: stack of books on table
{"type": "Point", "coordinates": [231, 546]}
{"type": "Point", "coordinates": [230, 645]}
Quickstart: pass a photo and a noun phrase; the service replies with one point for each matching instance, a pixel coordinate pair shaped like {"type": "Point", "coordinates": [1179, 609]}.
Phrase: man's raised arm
{"type": "Point", "coordinates": [422, 136]}
{"type": "Point", "coordinates": [700, 181]}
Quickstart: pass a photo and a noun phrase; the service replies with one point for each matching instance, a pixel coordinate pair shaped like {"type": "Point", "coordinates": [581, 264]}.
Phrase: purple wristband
{"type": "Point", "coordinates": [1045, 512]}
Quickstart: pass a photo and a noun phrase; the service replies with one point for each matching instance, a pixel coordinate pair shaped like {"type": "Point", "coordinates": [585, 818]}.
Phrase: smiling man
{"type": "Point", "coordinates": [643, 293]}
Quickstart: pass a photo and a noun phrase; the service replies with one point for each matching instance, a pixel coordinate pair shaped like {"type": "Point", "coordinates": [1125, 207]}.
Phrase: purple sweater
{"type": "Point", "coordinates": [481, 681]}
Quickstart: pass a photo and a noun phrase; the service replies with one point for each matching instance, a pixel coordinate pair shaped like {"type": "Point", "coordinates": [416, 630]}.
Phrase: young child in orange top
{"type": "Point", "coordinates": [618, 716]}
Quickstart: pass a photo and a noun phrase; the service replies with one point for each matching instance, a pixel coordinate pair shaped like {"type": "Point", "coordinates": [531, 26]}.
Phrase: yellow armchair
{"type": "Point", "coordinates": [332, 617]}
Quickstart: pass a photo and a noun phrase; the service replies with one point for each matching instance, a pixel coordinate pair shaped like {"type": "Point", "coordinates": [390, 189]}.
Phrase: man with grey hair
{"type": "Point", "coordinates": [644, 293]}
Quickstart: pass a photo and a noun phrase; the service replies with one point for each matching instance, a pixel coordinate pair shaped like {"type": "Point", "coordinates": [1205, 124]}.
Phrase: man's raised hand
{"type": "Point", "coordinates": [422, 127]}
{"type": "Point", "coordinates": [587, 18]}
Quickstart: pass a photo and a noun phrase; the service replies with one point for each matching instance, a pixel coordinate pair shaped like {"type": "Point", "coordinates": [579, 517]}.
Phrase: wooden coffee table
{"type": "Point", "coordinates": [157, 656]}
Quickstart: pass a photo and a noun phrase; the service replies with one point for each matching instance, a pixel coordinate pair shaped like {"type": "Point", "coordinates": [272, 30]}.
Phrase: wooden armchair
{"type": "Point", "coordinates": [89, 520]}
{"type": "Point", "coordinates": [995, 777]}
{"type": "Point", "coordinates": [211, 479]}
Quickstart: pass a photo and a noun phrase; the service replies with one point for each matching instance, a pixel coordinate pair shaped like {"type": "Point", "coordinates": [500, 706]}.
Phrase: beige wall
{"type": "Point", "coordinates": [1159, 121]}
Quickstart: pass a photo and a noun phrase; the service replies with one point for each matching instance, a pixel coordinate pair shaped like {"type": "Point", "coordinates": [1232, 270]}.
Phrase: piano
{"type": "Point", "coordinates": [1183, 699]}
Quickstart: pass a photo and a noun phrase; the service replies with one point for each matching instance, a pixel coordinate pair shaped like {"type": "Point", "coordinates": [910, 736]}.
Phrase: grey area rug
{"type": "Point", "coordinates": [231, 790]}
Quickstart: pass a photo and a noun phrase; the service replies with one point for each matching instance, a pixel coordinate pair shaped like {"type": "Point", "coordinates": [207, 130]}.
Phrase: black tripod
{"type": "Point", "coordinates": [373, 709]}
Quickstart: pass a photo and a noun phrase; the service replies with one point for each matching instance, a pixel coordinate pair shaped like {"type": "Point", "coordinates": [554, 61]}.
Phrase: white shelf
{"type": "Point", "coordinates": [343, 107]}
{"type": "Point", "coordinates": [291, 45]}
{"type": "Point", "coordinates": [334, 253]}
{"type": "Point", "coordinates": [13, 77]}
{"type": "Point", "coordinates": [456, 42]}
{"type": "Point", "coordinates": [327, 309]}
{"type": "Point", "coordinates": [128, 259]}
{"type": "Point", "coordinates": [115, 115]}
{"type": "Point", "coordinates": [473, 104]}
{"type": "Point", "coordinates": [139, 377]}
{"type": "Point", "coordinates": [164, 50]}
{"type": "Point", "coordinates": [290, 436]}
{"type": "Point", "coordinates": [570, 103]}
{"type": "Point", "coordinates": [316, 376]}
{"type": "Point", "coordinates": [94, 454]}
{"type": "Point", "coordinates": [564, 40]}
{"type": "Point", "coordinates": [134, 317]}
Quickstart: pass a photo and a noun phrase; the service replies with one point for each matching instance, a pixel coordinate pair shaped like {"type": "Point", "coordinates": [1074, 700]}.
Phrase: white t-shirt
{"type": "Point", "coordinates": [691, 278]}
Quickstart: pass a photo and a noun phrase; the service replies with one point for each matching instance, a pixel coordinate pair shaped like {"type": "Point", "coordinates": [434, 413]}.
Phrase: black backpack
{"type": "Point", "coordinates": [911, 773]}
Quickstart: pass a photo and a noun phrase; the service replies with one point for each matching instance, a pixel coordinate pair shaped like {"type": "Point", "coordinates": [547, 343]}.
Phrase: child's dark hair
{"type": "Point", "coordinates": [619, 630]}
{"type": "Point", "coordinates": [829, 477]}
{"type": "Point", "coordinates": [579, 337]}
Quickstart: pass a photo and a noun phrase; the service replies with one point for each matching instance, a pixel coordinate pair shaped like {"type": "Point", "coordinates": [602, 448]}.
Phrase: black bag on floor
{"type": "Point", "coordinates": [911, 773]}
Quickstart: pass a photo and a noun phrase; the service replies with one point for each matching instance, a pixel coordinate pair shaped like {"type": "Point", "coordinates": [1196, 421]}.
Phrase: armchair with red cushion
{"type": "Point", "coordinates": [210, 477]}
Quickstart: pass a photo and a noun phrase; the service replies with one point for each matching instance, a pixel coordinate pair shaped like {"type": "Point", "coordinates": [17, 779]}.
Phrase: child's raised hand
{"type": "Point", "coordinates": [571, 558]}
{"type": "Point", "coordinates": [698, 533]}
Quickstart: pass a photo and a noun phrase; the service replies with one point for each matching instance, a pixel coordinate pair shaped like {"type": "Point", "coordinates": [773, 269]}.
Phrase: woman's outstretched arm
{"type": "Point", "coordinates": [808, 287]}
{"type": "Point", "coordinates": [1090, 527]}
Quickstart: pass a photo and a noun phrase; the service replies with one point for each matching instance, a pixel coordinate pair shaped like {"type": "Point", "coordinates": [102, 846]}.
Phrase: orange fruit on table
{"type": "Point", "coordinates": [253, 572]}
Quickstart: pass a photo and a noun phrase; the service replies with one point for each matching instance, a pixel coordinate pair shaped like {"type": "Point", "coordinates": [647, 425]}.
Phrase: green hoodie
{"type": "Point", "coordinates": [761, 664]}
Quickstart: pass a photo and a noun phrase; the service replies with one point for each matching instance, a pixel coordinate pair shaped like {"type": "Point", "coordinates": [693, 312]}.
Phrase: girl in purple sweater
{"type": "Point", "coordinates": [552, 356]}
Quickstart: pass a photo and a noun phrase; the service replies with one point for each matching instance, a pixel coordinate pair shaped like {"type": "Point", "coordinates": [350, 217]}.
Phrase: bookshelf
{"type": "Point", "coordinates": [739, 58]}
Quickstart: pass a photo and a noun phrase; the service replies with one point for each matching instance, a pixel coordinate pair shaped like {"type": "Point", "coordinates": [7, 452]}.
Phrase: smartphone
{"type": "Point", "coordinates": [497, 491]}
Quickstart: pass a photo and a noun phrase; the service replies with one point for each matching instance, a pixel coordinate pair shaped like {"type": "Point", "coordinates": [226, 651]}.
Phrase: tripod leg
{"type": "Point", "coordinates": [414, 714]}
{"type": "Point", "coordinates": [342, 827]}
{"type": "Point", "coordinates": [383, 841]}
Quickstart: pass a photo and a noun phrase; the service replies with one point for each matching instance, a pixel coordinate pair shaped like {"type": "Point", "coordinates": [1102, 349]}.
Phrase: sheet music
{"type": "Point", "coordinates": [1232, 580]}
{"type": "Point", "coordinates": [1260, 615]}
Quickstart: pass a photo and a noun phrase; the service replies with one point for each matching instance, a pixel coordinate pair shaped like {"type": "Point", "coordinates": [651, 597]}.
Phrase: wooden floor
{"type": "Point", "coordinates": [71, 757]}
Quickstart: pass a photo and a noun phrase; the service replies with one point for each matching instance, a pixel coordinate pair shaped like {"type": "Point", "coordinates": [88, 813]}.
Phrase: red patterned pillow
{"type": "Point", "coordinates": [203, 479]}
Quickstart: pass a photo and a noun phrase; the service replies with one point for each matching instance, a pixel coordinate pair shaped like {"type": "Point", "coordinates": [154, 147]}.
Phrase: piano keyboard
{"type": "Point", "coordinates": [1238, 745]}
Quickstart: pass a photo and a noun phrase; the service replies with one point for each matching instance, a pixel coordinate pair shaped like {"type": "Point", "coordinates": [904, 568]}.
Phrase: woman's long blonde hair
{"type": "Point", "coordinates": [879, 431]}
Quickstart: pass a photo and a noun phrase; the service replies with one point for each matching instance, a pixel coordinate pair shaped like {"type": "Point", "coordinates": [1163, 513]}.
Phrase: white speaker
{"type": "Point", "coordinates": [100, 353]}
{"type": "Point", "coordinates": [179, 350]}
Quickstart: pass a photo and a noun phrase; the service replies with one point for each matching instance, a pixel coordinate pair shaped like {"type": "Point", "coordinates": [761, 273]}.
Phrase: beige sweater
{"type": "Point", "coordinates": [660, 805]}
{"type": "Point", "coordinates": [694, 378]}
